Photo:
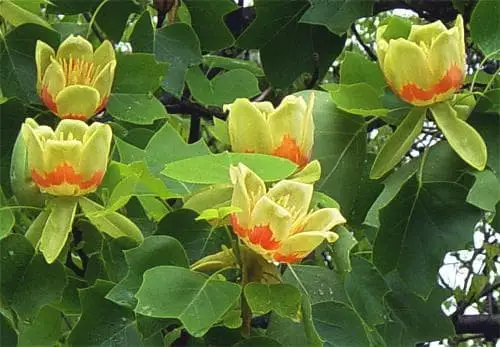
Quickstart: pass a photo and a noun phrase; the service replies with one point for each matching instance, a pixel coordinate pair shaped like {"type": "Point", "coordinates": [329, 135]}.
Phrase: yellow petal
{"type": "Point", "coordinates": [265, 107]}
{"type": "Point", "coordinates": [268, 213]}
{"type": "Point", "coordinates": [248, 188]}
{"type": "Point", "coordinates": [304, 243]}
{"type": "Point", "coordinates": [323, 220]}
{"type": "Point", "coordinates": [248, 128]}
{"type": "Point", "coordinates": [76, 128]}
{"type": "Point", "coordinates": [54, 79]}
{"type": "Point", "coordinates": [34, 146]}
{"type": "Point", "coordinates": [426, 33]}
{"type": "Point", "coordinates": [288, 120]}
{"type": "Point", "coordinates": [95, 152]}
{"type": "Point", "coordinates": [77, 102]}
{"type": "Point", "coordinates": [104, 54]}
{"type": "Point", "coordinates": [104, 81]}
{"type": "Point", "coordinates": [59, 152]}
{"type": "Point", "coordinates": [43, 55]}
{"type": "Point", "coordinates": [307, 137]}
{"type": "Point", "coordinates": [294, 196]}
{"type": "Point", "coordinates": [75, 47]}
{"type": "Point", "coordinates": [382, 44]}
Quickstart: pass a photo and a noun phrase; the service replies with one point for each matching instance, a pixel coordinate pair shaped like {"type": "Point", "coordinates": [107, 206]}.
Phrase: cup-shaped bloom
{"type": "Point", "coordinates": [75, 82]}
{"type": "Point", "coordinates": [287, 131]}
{"type": "Point", "coordinates": [277, 223]}
{"type": "Point", "coordinates": [69, 161]}
{"type": "Point", "coordinates": [428, 66]}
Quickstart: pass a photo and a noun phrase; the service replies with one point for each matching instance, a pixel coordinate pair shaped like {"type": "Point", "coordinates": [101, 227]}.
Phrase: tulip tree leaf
{"type": "Point", "coordinates": [9, 336]}
{"type": "Point", "coordinates": [355, 68]}
{"type": "Point", "coordinates": [487, 125]}
{"type": "Point", "coordinates": [45, 330]}
{"type": "Point", "coordinates": [112, 17]}
{"type": "Point", "coordinates": [484, 27]}
{"type": "Point", "coordinates": [198, 238]}
{"type": "Point", "coordinates": [341, 249]}
{"type": "Point", "coordinates": [462, 137]}
{"type": "Point", "coordinates": [287, 47]}
{"type": "Point", "coordinates": [223, 88]}
{"type": "Point", "coordinates": [398, 143]}
{"type": "Point", "coordinates": [102, 321]}
{"type": "Point", "coordinates": [17, 60]}
{"type": "Point", "coordinates": [485, 193]}
{"type": "Point", "coordinates": [111, 223]}
{"type": "Point", "coordinates": [177, 45]}
{"type": "Point", "coordinates": [418, 227]}
{"type": "Point", "coordinates": [17, 15]}
{"type": "Point", "coordinates": [215, 61]}
{"type": "Point", "coordinates": [197, 300]}
{"type": "Point", "coordinates": [258, 341]}
{"type": "Point", "coordinates": [136, 108]}
{"type": "Point", "coordinates": [340, 146]}
{"type": "Point", "coordinates": [142, 37]}
{"type": "Point", "coordinates": [336, 15]}
{"type": "Point", "coordinates": [154, 251]}
{"type": "Point", "coordinates": [397, 27]}
{"type": "Point", "coordinates": [28, 282]}
{"type": "Point", "coordinates": [282, 298]}
{"type": "Point", "coordinates": [128, 81]}
{"type": "Point", "coordinates": [7, 220]}
{"type": "Point", "coordinates": [360, 98]}
{"type": "Point", "coordinates": [216, 167]}
{"type": "Point", "coordinates": [207, 21]}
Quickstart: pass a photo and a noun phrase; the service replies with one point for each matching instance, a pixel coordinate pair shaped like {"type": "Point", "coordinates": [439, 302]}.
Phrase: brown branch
{"type": "Point", "coordinates": [367, 49]}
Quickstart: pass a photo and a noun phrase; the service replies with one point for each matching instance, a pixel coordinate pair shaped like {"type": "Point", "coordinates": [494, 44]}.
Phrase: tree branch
{"type": "Point", "coordinates": [94, 27]}
{"type": "Point", "coordinates": [367, 49]}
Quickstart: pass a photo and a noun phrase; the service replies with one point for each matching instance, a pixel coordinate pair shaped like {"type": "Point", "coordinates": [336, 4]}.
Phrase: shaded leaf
{"type": "Point", "coordinates": [142, 37]}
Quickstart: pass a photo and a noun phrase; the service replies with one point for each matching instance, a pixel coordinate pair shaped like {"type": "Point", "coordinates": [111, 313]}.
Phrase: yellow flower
{"type": "Point", "coordinates": [75, 82]}
{"type": "Point", "coordinates": [428, 66]}
{"type": "Point", "coordinates": [287, 131]}
{"type": "Point", "coordinates": [276, 223]}
{"type": "Point", "coordinates": [69, 161]}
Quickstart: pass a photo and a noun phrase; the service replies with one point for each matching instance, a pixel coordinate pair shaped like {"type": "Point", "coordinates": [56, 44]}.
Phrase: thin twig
{"type": "Point", "coordinates": [367, 49]}
{"type": "Point", "coordinates": [94, 27]}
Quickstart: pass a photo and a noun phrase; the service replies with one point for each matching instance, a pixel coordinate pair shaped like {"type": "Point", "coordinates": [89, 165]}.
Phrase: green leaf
{"type": "Point", "coordinates": [397, 27]}
{"type": "Point", "coordinates": [129, 81]}
{"type": "Point", "coordinates": [142, 37]}
{"type": "Point", "coordinates": [339, 325]}
{"type": "Point", "coordinates": [197, 300]}
{"type": "Point", "coordinates": [398, 143]}
{"type": "Point", "coordinates": [17, 15]}
{"type": "Point", "coordinates": [485, 193]}
{"type": "Point", "coordinates": [282, 298]}
{"type": "Point", "coordinates": [70, 302]}
{"type": "Point", "coordinates": [102, 321]}
{"type": "Point", "coordinates": [337, 15]}
{"type": "Point", "coordinates": [71, 7]}
{"type": "Point", "coordinates": [154, 251]}
{"type": "Point", "coordinates": [487, 125]}
{"type": "Point", "coordinates": [286, 45]}
{"type": "Point", "coordinates": [366, 288]}
{"type": "Point", "coordinates": [214, 196]}
{"type": "Point", "coordinates": [463, 138]}
{"type": "Point", "coordinates": [113, 256]}
{"type": "Point", "coordinates": [8, 338]}
{"type": "Point", "coordinates": [177, 45]}
{"type": "Point", "coordinates": [356, 68]}
{"type": "Point", "coordinates": [111, 223]}
{"type": "Point", "coordinates": [17, 60]}
{"type": "Point", "coordinates": [258, 341]}
{"type": "Point", "coordinates": [113, 16]}
{"type": "Point", "coordinates": [198, 238]}
{"type": "Point", "coordinates": [418, 227]}
{"type": "Point", "coordinates": [341, 255]}
{"type": "Point", "coordinates": [45, 330]}
{"type": "Point", "coordinates": [226, 63]}
{"type": "Point", "coordinates": [207, 20]}
{"type": "Point", "coordinates": [223, 88]}
{"type": "Point", "coordinates": [27, 281]}
{"type": "Point", "coordinates": [216, 167]}
{"type": "Point", "coordinates": [156, 156]}
{"type": "Point", "coordinates": [484, 28]}
{"type": "Point", "coordinates": [57, 227]}
{"type": "Point", "coordinates": [7, 220]}
{"type": "Point", "coordinates": [340, 146]}
{"type": "Point", "coordinates": [360, 98]}
{"type": "Point", "coordinates": [136, 108]}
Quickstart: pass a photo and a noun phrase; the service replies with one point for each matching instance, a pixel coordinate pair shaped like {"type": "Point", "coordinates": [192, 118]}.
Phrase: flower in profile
{"type": "Point", "coordinates": [426, 67]}
{"type": "Point", "coordinates": [277, 224]}
{"type": "Point", "coordinates": [287, 131]}
{"type": "Point", "coordinates": [70, 161]}
{"type": "Point", "coordinates": [75, 82]}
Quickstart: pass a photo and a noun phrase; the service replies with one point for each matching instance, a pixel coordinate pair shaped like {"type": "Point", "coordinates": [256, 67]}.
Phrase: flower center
{"type": "Point", "coordinates": [78, 71]}
{"type": "Point", "coordinates": [290, 150]}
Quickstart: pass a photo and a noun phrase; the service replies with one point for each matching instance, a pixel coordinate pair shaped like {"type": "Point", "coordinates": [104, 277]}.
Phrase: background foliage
{"type": "Point", "coordinates": [417, 261]}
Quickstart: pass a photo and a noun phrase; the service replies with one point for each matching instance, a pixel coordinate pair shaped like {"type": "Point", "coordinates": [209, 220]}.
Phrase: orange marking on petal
{"type": "Point", "coordinates": [263, 236]}
{"type": "Point", "coordinates": [290, 150]}
{"type": "Point", "coordinates": [65, 173]}
{"type": "Point", "coordinates": [48, 100]}
{"type": "Point", "coordinates": [75, 116]}
{"type": "Point", "coordinates": [287, 258]}
{"type": "Point", "coordinates": [451, 80]}
{"type": "Point", "coordinates": [103, 104]}
{"type": "Point", "coordinates": [237, 228]}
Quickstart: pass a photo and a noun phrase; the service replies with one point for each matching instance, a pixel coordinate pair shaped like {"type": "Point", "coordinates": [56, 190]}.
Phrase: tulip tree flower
{"type": "Point", "coordinates": [70, 161]}
{"type": "Point", "coordinates": [276, 223]}
{"type": "Point", "coordinates": [75, 82]}
{"type": "Point", "coordinates": [287, 131]}
{"type": "Point", "coordinates": [426, 67]}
